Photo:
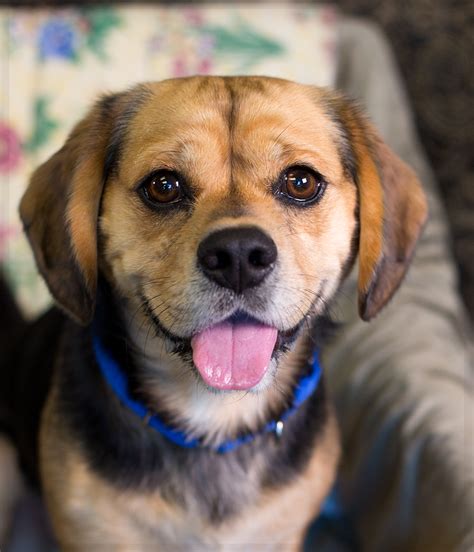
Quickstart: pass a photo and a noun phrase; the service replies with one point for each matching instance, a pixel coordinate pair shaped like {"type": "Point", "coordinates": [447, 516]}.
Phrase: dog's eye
{"type": "Point", "coordinates": [163, 187]}
{"type": "Point", "coordinates": [301, 184]}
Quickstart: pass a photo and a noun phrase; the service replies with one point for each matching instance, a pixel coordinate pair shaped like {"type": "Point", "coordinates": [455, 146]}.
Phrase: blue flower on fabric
{"type": "Point", "coordinates": [57, 39]}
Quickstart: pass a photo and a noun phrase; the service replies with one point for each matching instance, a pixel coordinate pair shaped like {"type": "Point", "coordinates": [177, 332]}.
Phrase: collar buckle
{"type": "Point", "coordinates": [279, 429]}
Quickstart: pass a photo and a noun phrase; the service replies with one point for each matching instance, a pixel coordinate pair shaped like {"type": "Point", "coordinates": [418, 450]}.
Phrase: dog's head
{"type": "Point", "coordinates": [226, 211]}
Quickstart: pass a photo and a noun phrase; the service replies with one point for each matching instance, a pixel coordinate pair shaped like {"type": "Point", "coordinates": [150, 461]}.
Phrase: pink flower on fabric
{"type": "Point", "coordinates": [204, 67]}
{"type": "Point", "coordinates": [193, 16]}
{"type": "Point", "coordinates": [179, 67]}
{"type": "Point", "coordinates": [10, 148]}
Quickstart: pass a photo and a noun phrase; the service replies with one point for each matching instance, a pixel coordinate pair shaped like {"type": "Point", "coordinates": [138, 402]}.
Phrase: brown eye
{"type": "Point", "coordinates": [301, 184]}
{"type": "Point", "coordinates": [163, 187]}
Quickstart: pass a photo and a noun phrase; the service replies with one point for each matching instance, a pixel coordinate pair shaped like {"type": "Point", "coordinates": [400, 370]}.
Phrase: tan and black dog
{"type": "Point", "coordinates": [199, 228]}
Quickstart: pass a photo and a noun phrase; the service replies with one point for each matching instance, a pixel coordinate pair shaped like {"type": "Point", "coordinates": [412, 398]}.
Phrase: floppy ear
{"type": "Point", "coordinates": [392, 213]}
{"type": "Point", "coordinates": [60, 208]}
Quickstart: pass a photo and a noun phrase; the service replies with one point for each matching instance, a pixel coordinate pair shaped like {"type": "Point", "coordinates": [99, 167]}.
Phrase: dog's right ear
{"type": "Point", "coordinates": [392, 210]}
{"type": "Point", "coordinates": [60, 209]}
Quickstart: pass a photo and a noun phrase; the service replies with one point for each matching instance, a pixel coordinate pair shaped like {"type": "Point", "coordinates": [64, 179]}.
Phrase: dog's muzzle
{"type": "Point", "coordinates": [236, 353]}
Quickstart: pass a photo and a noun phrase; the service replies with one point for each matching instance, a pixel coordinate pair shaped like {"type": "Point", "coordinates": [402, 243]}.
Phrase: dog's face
{"type": "Point", "coordinates": [228, 212]}
{"type": "Point", "coordinates": [228, 199]}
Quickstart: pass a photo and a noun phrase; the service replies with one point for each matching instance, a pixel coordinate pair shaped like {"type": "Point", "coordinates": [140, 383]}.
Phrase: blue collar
{"type": "Point", "coordinates": [117, 381]}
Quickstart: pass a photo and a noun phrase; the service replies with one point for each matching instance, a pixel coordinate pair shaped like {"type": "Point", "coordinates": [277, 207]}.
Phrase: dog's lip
{"type": "Point", "coordinates": [285, 337]}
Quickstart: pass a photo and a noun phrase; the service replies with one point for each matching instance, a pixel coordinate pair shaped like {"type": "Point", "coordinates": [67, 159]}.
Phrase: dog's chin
{"type": "Point", "coordinates": [239, 353]}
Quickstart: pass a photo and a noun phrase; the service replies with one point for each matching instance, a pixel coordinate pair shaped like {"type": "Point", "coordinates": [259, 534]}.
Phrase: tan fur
{"type": "Point", "coordinates": [82, 212]}
{"type": "Point", "coordinates": [371, 211]}
{"type": "Point", "coordinates": [230, 139]}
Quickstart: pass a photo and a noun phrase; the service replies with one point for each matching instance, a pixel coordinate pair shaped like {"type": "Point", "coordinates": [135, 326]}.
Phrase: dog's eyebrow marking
{"type": "Point", "coordinates": [107, 104]}
{"type": "Point", "coordinates": [137, 97]}
{"type": "Point", "coordinates": [234, 86]}
{"type": "Point", "coordinates": [231, 116]}
{"type": "Point", "coordinates": [346, 152]}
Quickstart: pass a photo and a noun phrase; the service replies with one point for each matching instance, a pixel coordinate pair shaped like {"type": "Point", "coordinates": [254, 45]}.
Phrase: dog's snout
{"type": "Point", "coordinates": [237, 258]}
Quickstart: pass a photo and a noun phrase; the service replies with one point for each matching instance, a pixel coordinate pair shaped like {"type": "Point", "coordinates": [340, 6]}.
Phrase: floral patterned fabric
{"type": "Point", "coordinates": [53, 63]}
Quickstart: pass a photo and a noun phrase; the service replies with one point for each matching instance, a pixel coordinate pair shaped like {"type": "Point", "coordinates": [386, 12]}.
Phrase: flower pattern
{"type": "Point", "coordinates": [57, 38]}
{"type": "Point", "coordinates": [243, 41]}
{"type": "Point", "coordinates": [6, 233]}
{"type": "Point", "coordinates": [10, 148]}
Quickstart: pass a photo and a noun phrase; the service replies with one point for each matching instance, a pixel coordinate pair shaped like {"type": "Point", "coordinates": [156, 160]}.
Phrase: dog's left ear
{"type": "Point", "coordinates": [392, 212]}
{"type": "Point", "coordinates": [60, 208]}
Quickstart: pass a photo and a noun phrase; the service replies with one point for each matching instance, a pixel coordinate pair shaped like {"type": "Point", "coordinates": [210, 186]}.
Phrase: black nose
{"type": "Point", "coordinates": [237, 258]}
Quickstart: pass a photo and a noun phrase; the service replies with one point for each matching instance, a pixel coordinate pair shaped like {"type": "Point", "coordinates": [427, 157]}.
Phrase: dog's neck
{"type": "Point", "coordinates": [168, 383]}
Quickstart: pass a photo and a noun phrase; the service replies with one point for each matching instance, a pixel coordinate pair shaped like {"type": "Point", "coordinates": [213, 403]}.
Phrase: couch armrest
{"type": "Point", "coordinates": [403, 385]}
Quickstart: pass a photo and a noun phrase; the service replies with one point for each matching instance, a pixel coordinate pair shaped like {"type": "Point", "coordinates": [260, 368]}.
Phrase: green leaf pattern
{"type": "Point", "coordinates": [101, 22]}
{"type": "Point", "coordinates": [43, 125]}
{"type": "Point", "coordinates": [244, 42]}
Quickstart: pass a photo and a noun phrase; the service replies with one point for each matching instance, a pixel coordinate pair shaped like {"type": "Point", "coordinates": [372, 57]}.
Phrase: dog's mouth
{"type": "Point", "coordinates": [233, 354]}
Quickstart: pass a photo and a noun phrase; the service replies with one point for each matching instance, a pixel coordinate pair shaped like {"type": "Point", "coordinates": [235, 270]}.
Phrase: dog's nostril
{"type": "Point", "coordinates": [260, 258]}
{"type": "Point", "coordinates": [217, 260]}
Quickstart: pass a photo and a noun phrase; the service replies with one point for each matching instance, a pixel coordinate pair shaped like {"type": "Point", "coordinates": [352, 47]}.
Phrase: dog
{"type": "Point", "coordinates": [194, 233]}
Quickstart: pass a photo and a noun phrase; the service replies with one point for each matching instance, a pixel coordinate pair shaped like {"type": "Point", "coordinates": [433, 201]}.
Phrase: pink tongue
{"type": "Point", "coordinates": [233, 356]}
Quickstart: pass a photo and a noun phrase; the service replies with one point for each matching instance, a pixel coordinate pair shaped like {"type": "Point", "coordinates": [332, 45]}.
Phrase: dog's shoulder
{"type": "Point", "coordinates": [26, 376]}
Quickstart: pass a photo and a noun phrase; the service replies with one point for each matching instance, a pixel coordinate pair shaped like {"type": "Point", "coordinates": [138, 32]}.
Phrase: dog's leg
{"type": "Point", "coordinates": [11, 487]}
{"type": "Point", "coordinates": [11, 483]}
